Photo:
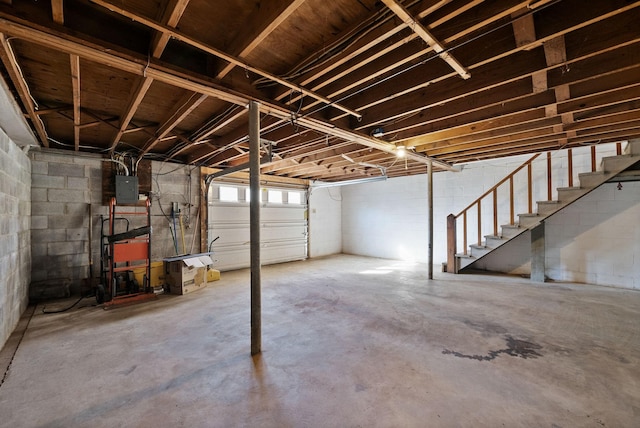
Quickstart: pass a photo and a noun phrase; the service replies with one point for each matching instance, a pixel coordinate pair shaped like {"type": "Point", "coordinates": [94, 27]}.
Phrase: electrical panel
{"type": "Point", "coordinates": [126, 189]}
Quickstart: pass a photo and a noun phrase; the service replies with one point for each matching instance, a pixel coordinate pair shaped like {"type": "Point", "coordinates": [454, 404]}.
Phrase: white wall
{"type": "Point", "coordinates": [325, 221]}
{"type": "Point", "coordinates": [386, 219]}
{"type": "Point", "coordinates": [597, 239]}
{"type": "Point", "coordinates": [389, 219]}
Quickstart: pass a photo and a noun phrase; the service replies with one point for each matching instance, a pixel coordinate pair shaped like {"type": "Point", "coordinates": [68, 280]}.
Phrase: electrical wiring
{"type": "Point", "coordinates": [53, 140]}
{"type": "Point", "coordinates": [432, 57]}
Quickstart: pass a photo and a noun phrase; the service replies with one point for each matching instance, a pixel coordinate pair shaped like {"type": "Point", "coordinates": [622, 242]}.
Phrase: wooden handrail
{"type": "Point", "coordinates": [452, 236]}
{"type": "Point", "coordinates": [499, 184]}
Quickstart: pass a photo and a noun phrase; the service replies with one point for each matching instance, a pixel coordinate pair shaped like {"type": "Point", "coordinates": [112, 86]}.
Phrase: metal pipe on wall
{"type": "Point", "coordinates": [254, 220]}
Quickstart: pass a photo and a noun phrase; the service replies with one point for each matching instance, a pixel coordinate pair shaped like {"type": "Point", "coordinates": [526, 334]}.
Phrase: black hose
{"type": "Point", "coordinates": [57, 311]}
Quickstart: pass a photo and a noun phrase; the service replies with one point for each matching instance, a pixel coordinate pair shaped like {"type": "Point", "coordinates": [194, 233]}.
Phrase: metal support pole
{"type": "Point", "coordinates": [430, 197]}
{"type": "Point", "coordinates": [254, 219]}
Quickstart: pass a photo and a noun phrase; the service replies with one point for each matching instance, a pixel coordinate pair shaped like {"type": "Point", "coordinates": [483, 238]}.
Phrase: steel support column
{"type": "Point", "coordinates": [254, 220]}
{"type": "Point", "coordinates": [430, 202]}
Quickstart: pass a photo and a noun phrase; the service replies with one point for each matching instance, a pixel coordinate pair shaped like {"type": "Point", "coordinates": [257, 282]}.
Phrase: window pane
{"type": "Point", "coordinates": [275, 196]}
{"type": "Point", "coordinates": [228, 194]}
{"type": "Point", "coordinates": [294, 198]}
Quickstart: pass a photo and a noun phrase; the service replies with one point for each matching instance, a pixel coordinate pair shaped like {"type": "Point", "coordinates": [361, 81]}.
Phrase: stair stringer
{"type": "Point", "coordinates": [622, 162]}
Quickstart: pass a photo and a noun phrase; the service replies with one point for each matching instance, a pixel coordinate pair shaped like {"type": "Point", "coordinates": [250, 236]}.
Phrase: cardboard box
{"type": "Point", "coordinates": [185, 274]}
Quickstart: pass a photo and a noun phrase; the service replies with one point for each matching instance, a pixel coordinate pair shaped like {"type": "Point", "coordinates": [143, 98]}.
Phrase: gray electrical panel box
{"type": "Point", "coordinates": [126, 189]}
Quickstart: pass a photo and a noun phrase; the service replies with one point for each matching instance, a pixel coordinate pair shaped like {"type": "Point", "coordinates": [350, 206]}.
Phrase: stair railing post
{"type": "Point", "coordinates": [593, 158]}
{"type": "Point", "coordinates": [479, 222]}
{"type": "Point", "coordinates": [530, 187]}
{"type": "Point", "coordinates": [495, 212]}
{"type": "Point", "coordinates": [548, 176]}
{"type": "Point", "coordinates": [570, 166]}
{"type": "Point", "coordinates": [451, 243]}
{"type": "Point", "coordinates": [464, 232]}
{"type": "Point", "coordinates": [511, 206]}
{"type": "Point", "coordinates": [618, 148]}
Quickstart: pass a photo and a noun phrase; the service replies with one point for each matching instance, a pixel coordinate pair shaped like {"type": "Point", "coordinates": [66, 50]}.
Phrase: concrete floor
{"type": "Point", "coordinates": [347, 342]}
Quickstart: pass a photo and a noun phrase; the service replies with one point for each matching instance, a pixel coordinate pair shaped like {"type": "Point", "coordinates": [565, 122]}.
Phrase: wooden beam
{"type": "Point", "coordinates": [425, 35]}
{"type": "Point", "coordinates": [218, 53]}
{"type": "Point", "coordinates": [57, 11]}
{"type": "Point", "coordinates": [9, 60]}
{"type": "Point", "coordinates": [63, 42]}
{"type": "Point", "coordinates": [524, 28]}
{"type": "Point", "coordinates": [171, 16]}
{"type": "Point", "coordinates": [183, 108]}
{"type": "Point", "coordinates": [75, 84]}
{"type": "Point", "coordinates": [258, 27]}
{"type": "Point", "coordinates": [374, 104]}
{"type": "Point", "coordinates": [137, 95]}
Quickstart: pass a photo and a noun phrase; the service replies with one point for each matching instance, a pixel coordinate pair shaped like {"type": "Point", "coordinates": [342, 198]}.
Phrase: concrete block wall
{"type": "Point", "coordinates": [64, 184]}
{"type": "Point", "coordinates": [174, 183]}
{"type": "Point", "coordinates": [325, 221]}
{"type": "Point", "coordinates": [15, 236]}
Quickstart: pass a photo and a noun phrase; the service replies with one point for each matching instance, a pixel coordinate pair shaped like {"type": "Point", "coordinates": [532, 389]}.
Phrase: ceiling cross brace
{"type": "Point", "coordinates": [425, 35]}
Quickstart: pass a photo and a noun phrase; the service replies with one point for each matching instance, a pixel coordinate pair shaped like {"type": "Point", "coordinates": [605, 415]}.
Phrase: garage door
{"type": "Point", "coordinates": [283, 225]}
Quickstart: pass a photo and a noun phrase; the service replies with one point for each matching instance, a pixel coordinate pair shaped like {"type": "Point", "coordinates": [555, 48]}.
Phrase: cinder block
{"type": "Point", "coordinates": [39, 222]}
{"type": "Point", "coordinates": [41, 167]}
{"type": "Point", "coordinates": [46, 181]}
{"type": "Point", "coordinates": [45, 236]}
{"type": "Point", "coordinates": [39, 195]}
{"type": "Point", "coordinates": [78, 183]}
{"type": "Point", "coordinates": [77, 234]}
{"type": "Point", "coordinates": [65, 195]}
{"type": "Point", "coordinates": [63, 248]}
{"type": "Point", "coordinates": [67, 222]}
{"type": "Point", "coordinates": [65, 170]}
{"type": "Point", "coordinates": [47, 208]}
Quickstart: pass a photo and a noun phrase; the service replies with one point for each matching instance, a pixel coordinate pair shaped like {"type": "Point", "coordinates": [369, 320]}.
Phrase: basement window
{"type": "Point", "coordinates": [275, 196]}
{"type": "Point", "coordinates": [294, 198]}
{"type": "Point", "coordinates": [228, 194]}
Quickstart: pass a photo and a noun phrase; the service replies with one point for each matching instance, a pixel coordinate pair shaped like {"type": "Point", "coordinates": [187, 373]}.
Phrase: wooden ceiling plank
{"type": "Point", "coordinates": [218, 53]}
{"type": "Point", "coordinates": [490, 108]}
{"type": "Point", "coordinates": [183, 108]}
{"type": "Point", "coordinates": [259, 27]}
{"type": "Point", "coordinates": [491, 77]}
{"type": "Point", "coordinates": [405, 58]}
{"type": "Point", "coordinates": [171, 16]}
{"type": "Point", "coordinates": [15, 73]}
{"type": "Point", "coordinates": [69, 44]}
{"type": "Point", "coordinates": [75, 84]}
{"type": "Point", "coordinates": [137, 95]}
{"type": "Point", "coordinates": [372, 100]}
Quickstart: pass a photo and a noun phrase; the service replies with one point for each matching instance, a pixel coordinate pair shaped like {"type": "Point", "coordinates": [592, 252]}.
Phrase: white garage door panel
{"type": "Point", "coordinates": [283, 233]}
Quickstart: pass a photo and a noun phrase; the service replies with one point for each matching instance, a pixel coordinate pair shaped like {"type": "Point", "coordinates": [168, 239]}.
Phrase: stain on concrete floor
{"type": "Point", "coordinates": [515, 348]}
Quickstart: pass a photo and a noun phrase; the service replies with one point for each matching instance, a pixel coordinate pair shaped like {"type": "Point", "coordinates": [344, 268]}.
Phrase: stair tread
{"type": "Point", "coordinates": [464, 256]}
{"type": "Point", "coordinates": [570, 188]}
{"type": "Point", "coordinates": [554, 202]}
{"type": "Point", "coordinates": [511, 226]}
{"type": "Point", "coordinates": [528, 215]}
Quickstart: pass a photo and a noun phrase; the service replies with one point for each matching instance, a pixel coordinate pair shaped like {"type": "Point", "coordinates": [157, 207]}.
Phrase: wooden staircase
{"type": "Point", "coordinates": [609, 168]}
